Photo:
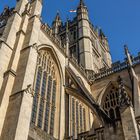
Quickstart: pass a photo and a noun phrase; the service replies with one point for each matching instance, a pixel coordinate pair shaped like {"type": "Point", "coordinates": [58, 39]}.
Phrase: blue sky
{"type": "Point", "coordinates": [119, 19]}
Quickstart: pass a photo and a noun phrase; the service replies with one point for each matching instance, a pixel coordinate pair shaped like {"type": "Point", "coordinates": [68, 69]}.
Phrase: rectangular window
{"type": "Point", "coordinates": [73, 117]}
{"type": "Point", "coordinates": [48, 103]}
{"type": "Point", "coordinates": [77, 117]}
{"type": "Point", "coordinates": [84, 118]}
{"type": "Point", "coordinates": [35, 101]}
{"type": "Point", "coordinates": [81, 119]}
{"type": "Point", "coordinates": [53, 108]}
{"type": "Point", "coordinates": [73, 51]}
{"type": "Point", "coordinates": [41, 107]}
{"type": "Point", "coordinates": [74, 35]}
{"type": "Point", "coordinates": [46, 122]}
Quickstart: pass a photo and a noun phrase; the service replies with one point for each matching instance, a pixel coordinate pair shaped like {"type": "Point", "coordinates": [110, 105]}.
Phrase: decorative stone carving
{"type": "Point", "coordinates": [7, 12]}
{"type": "Point", "coordinates": [35, 46]}
{"type": "Point", "coordinates": [29, 90]}
{"type": "Point", "coordinates": [124, 100]}
{"type": "Point", "coordinates": [28, 9]}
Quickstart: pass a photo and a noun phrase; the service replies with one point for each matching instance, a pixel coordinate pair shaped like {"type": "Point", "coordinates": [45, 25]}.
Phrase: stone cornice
{"type": "Point", "coordinates": [10, 71]}
{"type": "Point", "coordinates": [2, 41]}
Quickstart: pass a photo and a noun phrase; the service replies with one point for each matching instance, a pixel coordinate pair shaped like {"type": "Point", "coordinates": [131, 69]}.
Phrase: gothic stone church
{"type": "Point", "coordinates": [59, 83]}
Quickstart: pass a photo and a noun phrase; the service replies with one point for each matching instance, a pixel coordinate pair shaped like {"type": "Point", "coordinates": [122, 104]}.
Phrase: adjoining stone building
{"type": "Point", "coordinates": [59, 82]}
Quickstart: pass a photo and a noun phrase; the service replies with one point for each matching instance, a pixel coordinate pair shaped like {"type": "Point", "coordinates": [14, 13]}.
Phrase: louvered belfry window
{"type": "Point", "coordinates": [44, 101]}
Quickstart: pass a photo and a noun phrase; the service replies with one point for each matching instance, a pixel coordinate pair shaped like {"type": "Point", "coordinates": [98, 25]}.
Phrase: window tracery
{"type": "Point", "coordinates": [111, 103]}
{"type": "Point", "coordinates": [44, 102]}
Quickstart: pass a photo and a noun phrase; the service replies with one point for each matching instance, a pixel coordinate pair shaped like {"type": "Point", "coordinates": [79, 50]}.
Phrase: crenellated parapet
{"type": "Point", "coordinates": [48, 31]}
{"type": "Point", "coordinates": [116, 67]}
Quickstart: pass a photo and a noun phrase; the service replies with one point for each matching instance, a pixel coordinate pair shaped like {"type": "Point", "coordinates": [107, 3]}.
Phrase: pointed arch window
{"type": "Point", "coordinates": [111, 103]}
{"type": "Point", "coordinates": [44, 102]}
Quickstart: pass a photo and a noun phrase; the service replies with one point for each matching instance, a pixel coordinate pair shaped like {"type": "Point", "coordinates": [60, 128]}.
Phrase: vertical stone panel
{"type": "Point", "coordinates": [129, 124]}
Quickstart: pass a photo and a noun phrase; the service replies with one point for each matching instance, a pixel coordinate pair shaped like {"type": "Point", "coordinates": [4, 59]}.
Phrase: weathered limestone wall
{"type": "Point", "coordinates": [7, 68]}
{"type": "Point", "coordinates": [129, 124]}
{"type": "Point", "coordinates": [18, 77]}
{"type": "Point", "coordinates": [99, 85]}
{"type": "Point", "coordinates": [114, 132]}
{"type": "Point", "coordinates": [16, 126]}
{"type": "Point", "coordinates": [7, 45]}
{"type": "Point", "coordinates": [12, 68]}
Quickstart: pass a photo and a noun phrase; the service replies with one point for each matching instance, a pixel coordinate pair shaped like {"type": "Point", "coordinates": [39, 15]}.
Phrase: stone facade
{"type": "Point", "coordinates": [59, 82]}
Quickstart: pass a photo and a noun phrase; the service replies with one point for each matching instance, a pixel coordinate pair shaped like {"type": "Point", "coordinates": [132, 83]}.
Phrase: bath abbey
{"type": "Point", "coordinates": [59, 83]}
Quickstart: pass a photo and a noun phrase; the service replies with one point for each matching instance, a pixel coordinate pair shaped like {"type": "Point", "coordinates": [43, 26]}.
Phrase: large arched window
{"type": "Point", "coordinates": [44, 102]}
{"type": "Point", "coordinates": [111, 103]}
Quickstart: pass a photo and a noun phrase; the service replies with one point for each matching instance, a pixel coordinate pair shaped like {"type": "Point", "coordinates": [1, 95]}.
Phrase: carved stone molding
{"type": "Point", "coordinates": [124, 100]}
{"type": "Point", "coordinates": [29, 90]}
{"type": "Point", "coordinates": [28, 9]}
{"type": "Point", "coordinates": [35, 46]}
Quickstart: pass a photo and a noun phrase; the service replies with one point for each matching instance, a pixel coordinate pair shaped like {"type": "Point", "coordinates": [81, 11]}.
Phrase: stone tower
{"type": "Point", "coordinates": [56, 24]}
{"type": "Point", "coordinates": [85, 44]}
{"type": "Point", "coordinates": [93, 47]}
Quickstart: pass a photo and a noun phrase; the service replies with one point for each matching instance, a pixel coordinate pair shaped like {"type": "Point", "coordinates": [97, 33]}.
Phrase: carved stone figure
{"type": "Point", "coordinates": [124, 100]}
{"type": "Point", "coordinates": [7, 12]}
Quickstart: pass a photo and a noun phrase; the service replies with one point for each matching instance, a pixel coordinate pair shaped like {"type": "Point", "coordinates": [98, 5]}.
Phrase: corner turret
{"type": "Point", "coordinates": [82, 11]}
{"type": "Point", "coordinates": [85, 44]}
{"type": "Point", "coordinates": [56, 24]}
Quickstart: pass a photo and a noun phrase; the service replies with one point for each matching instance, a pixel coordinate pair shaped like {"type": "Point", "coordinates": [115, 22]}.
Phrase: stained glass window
{"type": "Point", "coordinates": [44, 102]}
{"type": "Point", "coordinates": [53, 108]}
{"type": "Point", "coordinates": [41, 107]}
{"type": "Point", "coordinates": [35, 101]}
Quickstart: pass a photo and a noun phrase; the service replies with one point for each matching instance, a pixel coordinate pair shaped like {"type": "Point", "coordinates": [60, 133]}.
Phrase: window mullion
{"type": "Point", "coordinates": [53, 107]}
{"type": "Point", "coordinates": [36, 95]}
{"type": "Point", "coordinates": [41, 102]}
{"type": "Point", "coordinates": [47, 114]}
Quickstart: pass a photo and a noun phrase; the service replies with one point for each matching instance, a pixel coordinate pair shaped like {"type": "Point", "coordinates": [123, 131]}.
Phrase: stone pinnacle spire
{"type": "Point", "coordinates": [82, 6]}
{"type": "Point", "coordinates": [56, 24]}
{"type": "Point", "coordinates": [67, 39]}
{"type": "Point", "coordinates": [82, 3]}
{"type": "Point", "coordinates": [135, 84]}
{"type": "Point", "coordinates": [57, 18]}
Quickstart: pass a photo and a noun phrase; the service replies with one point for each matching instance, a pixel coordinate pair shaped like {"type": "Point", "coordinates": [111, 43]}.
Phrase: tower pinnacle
{"type": "Point", "coordinates": [56, 24]}
{"type": "Point", "coordinates": [57, 18]}
{"type": "Point", "coordinates": [82, 10]}
{"type": "Point", "coordinates": [82, 3]}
